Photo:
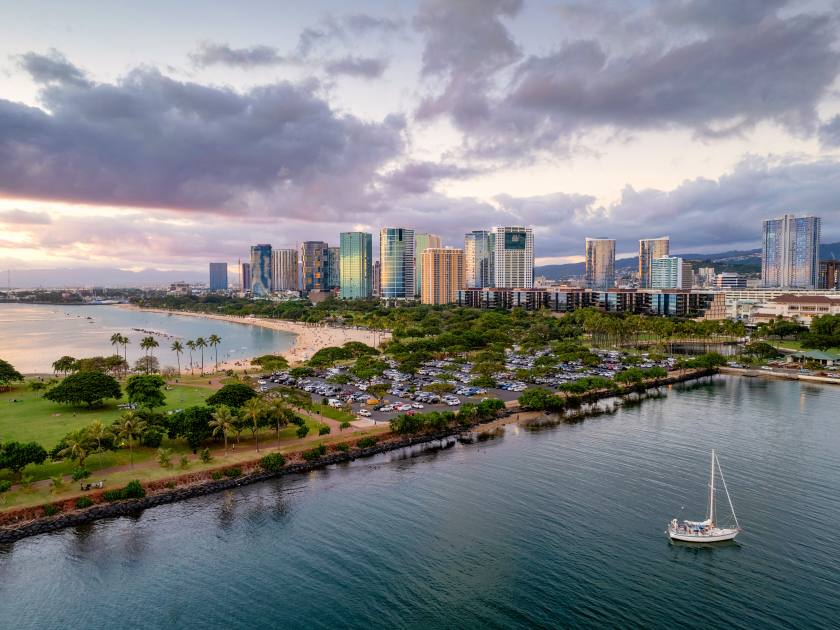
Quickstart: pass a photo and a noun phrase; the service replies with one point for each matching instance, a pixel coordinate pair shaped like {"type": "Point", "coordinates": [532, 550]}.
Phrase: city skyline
{"type": "Point", "coordinates": [432, 149]}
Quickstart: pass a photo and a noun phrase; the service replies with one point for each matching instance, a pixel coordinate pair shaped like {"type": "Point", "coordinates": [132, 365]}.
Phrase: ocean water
{"type": "Point", "coordinates": [33, 336]}
{"type": "Point", "coordinates": [558, 527]}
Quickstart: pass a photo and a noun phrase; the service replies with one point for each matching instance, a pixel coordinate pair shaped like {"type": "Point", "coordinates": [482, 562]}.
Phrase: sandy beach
{"type": "Point", "coordinates": [309, 338]}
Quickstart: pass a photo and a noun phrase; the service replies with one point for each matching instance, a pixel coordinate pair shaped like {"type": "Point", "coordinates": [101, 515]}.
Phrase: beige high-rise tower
{"type": "Point", "coordinates": [443, 275]}
{"type": "Point", "coordinates": [649, 250]}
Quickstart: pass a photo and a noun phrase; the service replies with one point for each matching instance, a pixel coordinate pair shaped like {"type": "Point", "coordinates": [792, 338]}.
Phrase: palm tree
{"type": "Point", "coordinates": [116, 340]}
{"type": "Point", "coordinates": [222, 422]}
{"type": "Point", "coordinates": [253, 409]}
{"type": "Point", "coordinates": [191, 346]}
{"type": "Point", "coordinates": [77, 447]}
{"type": "Point", "coordinates": [125, 341]}
{"type": "Point", "coordinates": [280, 415]}
{"type": "Point", "coordinates": [201, 343]}
{"type": "Point", "coordinates": [131, 426]}
{"type": "Point", "coordinates": [178, 348]}
{"type": "Point", "coordinates": [214, 342]}
{"type": "Point", "coordinates": [98, 431]}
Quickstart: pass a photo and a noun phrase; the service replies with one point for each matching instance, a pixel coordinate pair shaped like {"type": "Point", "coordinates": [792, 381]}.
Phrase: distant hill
{"type": "Point", "coordinates": [742, 261]}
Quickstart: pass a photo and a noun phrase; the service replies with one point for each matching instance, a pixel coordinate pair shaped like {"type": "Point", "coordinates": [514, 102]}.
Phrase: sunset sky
{"type": "Point", "coordinates": [142, 135]}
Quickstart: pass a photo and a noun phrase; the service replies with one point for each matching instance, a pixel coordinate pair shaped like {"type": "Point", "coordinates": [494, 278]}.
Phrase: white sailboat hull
{"type": "Point", "coordinates": [716, 535]}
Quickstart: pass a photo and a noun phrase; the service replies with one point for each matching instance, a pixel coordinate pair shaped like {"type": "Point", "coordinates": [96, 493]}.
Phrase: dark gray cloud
{"type": "Point", "coordinates": [214, 53]}
{"type": "Point", "coordinates": [149, 140]}
{"type": "Point", "coordinates": [717, 81]}
{"type": "Point", "coordinates": [420, 177]}
{"type": "Point", "coordinates": [361, 67]}
{"type": "Point", "coordinates": [52, 68]}
{"type": "Point", "coordinates": [466, 44]}
{"type": "Point", "coordinates": [24, 217]}
{"type": "Point", "coordinates": [700, 214]}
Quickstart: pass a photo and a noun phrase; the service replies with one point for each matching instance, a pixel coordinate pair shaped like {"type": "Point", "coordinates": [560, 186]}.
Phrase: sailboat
{"type": "Point", "coordinates": [706, 531]}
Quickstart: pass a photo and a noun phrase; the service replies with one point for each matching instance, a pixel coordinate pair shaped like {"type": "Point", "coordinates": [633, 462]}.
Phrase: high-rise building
{"type": "Point", "coordinates": [333, 271]}
{"type": "Point", "coordinates": [314, 266]}
{"type": "Point", "coordinates": [245, 276]}
{"type": "Point", "coordinates": [396, 256]}
{"type": "Point", "coordinates": [790, 252]}
{"type": "Point", "coordinates": [422, 241]}
{"type": "Point", "coordinates": [730, 280]}
{"type": "Point", "coordinates": [600, 263]}
{"type": "Point", "coordinates": [829, 275]}
{"type": "Point", "coordinates": [443, 275]}
{"type": "Point", "coordinates": [284, 270]}
{"type": "Point", "coordinates": [650, 249]}
{"type": "Point", "coordinates": [670, 272]}
{"type": "Point", "coordinates": [356, 265]}
{"type": "Point", "coordinates": [377, 279]}
{"type": "Point", "coordinates": [260, 270]}
{"type": "Point", "coordinates": [513, 257]}
{"type": "Point", "coordinates": [706, 276]}
{"type": "Point", "coordinates": [479, 268]}
{"type": "Point", "coordinates": [218, 277]}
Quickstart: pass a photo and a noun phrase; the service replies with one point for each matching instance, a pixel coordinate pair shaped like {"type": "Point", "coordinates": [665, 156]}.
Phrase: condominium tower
{"type": "Point", "coordinates": [260, 270]}
{"type": "Point", "coordinates": [650, 249]}
{"type": "Point", "coordinates": [396, 256]}
{"type": "Point", "coordinates": [443, 275]}
{"type": "Point", "coordinates": [670, 272]}
{"type": "Point", "coordinates": [218, 276]}
{"type": "Point", "coordinates": [422, 241]}
{"type": "Point", "coordinates": [513, 257]}
{"type": "Point", "coordinates": [313, 266]}
{"type": "Point", "coordinates": [478, 259]}
{"type": "Point", "coordinates": [356, 265]}
{"type": "Point", "coordinates": [790, 252]}
{"type": "Point", "coordinates": [284, 269]}
{"type": "Point", "coordinates": [245, 276]}
{"type": "Point", "coordinates": [600, 263]}
{"type": "Point", "coordinates": [333, 271]}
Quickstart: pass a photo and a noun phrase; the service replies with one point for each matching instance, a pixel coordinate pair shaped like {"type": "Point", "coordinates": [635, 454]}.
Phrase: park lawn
{"type": "Point", "coordinates": [37, 419]}
{"type": "Point", "coordinates": [331, 412]}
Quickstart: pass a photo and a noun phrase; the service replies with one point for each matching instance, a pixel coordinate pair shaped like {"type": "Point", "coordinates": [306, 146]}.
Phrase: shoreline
{"type": "Point", "coordinates": [307, 338]}
{"type": "Point", "coordinates": [32, 521]}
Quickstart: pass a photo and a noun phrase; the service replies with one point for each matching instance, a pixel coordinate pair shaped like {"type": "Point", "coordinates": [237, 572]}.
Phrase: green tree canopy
{"type": "Point", "coordinates": [192, 424]}
{"type": "Point", "coordinates": [8, 374]}
{"type": "Point", "coordinates": [90, 388]}
{"type": "Point", "coordinates": [16, 456]}
{"type": "Point", "coordinates": [146, 390]}
{"type": "Point", "coordinates": [233, 395]}
{"type": "Point", "coordinates": [271, 362]}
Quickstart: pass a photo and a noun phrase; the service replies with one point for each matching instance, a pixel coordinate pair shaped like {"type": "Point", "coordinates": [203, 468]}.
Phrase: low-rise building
{"type": "Point", "coordinates": [799, 308]}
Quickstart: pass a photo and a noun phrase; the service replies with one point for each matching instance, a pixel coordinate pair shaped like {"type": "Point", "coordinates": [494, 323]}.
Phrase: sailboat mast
{"type": "Point", "coordinates": [712, 491]}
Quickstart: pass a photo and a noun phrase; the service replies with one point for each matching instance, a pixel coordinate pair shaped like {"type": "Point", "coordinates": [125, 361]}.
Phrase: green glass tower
{"type": "Point", "coordinates": [356, 267]}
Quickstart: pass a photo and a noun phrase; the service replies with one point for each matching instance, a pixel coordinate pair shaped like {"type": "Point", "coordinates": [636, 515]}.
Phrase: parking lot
{"type": "Point", "coordinates": [408, 393]}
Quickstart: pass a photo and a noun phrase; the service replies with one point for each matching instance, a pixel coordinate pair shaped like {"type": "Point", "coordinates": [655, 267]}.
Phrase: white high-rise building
{"type": "Point", "coordinates": [513, 257]}
{"type": "Point", "coordinates": [790, 252]}
{"type": "Point", "coordinates": [670, 272]}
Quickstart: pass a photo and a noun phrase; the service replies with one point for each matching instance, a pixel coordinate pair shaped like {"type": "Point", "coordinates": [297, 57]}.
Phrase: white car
{"type": "Point", "coordinates": [416, 405]}
{"type": "Point", "coordinates": [364, 412]}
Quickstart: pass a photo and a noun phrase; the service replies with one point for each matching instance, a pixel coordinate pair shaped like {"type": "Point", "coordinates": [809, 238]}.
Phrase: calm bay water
{"type": "Point", "coordinates": [33, 336]}
{"type": "Point", "coordinates": [561, 526]}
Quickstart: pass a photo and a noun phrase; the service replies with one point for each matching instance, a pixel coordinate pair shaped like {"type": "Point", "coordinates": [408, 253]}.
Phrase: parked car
{"type": "Point", "coordinates": [364, 413]}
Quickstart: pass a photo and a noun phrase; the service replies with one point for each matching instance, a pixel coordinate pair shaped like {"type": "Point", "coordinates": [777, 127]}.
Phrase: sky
{"type": "Point", "coordinates": [147, 136]}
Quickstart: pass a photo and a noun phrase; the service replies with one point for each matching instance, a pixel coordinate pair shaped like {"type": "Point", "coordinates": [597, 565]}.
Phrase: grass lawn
{"type": "Point", "coordinates": [332, 412]}
{"type": "Point", "coordinates": [33, 418]}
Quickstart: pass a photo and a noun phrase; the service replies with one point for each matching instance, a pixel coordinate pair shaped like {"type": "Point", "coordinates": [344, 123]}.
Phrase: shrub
{"type": "Point", "coordinates": [216, 475]}
{"type": "Point", "coordinates": [302, 431]}
{"type": "Point", "coordinates": [5, 485]}
{"type": "Point", "coordinates": [323, 430]}
{"type": "Point", "coordinates": [233, 471]}
{"type": "Point", "coordinates": [366, 442]}
{"type": "Point", "coordinates": [344, 425]}
{"type": "Point", "coordinates": [80, 473]}
{"type": "Point", "coordinates": [297, 420]}
{"type": "Point", "coordinates": [184, 463]}
{"type": "Point", "coordinates": [112, 495]}
{"type": "Point", "coordinates": [315, 453]}
{"type": "Point", "coordinates": [205, 456]}
{"type": "Point", "coordinates": [83, 502]}
{"type": "Point", "coordinates": [343, 447]}
{"type": "Point", "coordinates": [51, 510]}
{"type": "Point", "coordinates": [170, 484]}
{"type": "Point", "coordinates": [272, 462]}
{"type": "Point", "coordinates": [165, 457]}
{"type": "Point", "coordinates": [133, 490]}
